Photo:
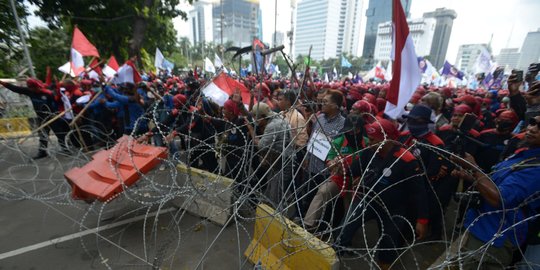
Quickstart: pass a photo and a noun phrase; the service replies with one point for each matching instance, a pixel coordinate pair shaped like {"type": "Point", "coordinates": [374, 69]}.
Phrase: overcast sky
{"type": "Point", "coordinates": [508, 21]}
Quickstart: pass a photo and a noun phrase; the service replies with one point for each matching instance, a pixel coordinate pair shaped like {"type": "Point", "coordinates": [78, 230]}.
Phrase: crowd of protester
{"type": "Point", "coordinates": [480, 147]}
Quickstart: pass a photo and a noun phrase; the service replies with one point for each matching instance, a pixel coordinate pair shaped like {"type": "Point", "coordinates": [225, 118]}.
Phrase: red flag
{"type": "Point", "coordinates": [48, 78]}
{"type": "Point", "coordinates": [94, 66]}
{"type": "Point", "coordinates": [82, 45]}
{"type": "Point", "coordinates": [406, 73]}
{"type": "Point", "coordinates": [195, 75]}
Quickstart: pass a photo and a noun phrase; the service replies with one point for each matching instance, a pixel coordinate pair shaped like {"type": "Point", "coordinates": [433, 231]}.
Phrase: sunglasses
{"type": "Point", "coordinates": [534, 122]}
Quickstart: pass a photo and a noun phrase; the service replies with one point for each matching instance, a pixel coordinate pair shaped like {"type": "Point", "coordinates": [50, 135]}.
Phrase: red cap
{"type": "Point", "coordinates": [468, 99]}
{"type": "Point", "coordinates": [415, 98]}
{"type": "Point", "coordinates": [369, 98]}
{"type": "Point", "coordinates": [86, 82]}
{"type": "Point", "coordinates": [34, 83]}
{"type": "Point", "coordinates": [380, 127]}
{"type": "Point", "coordinates": [179, 100]}
{"type": "Point", "coordinates": [462, 109]}
{"type": "Point", "coordinates": [232, 107]}
{"type": "Point", "coordinates": [265, 90]}
{"type": "Point", "coordinates": [509, 116]}
{"type": "Point", "coordinates": [362, 106]}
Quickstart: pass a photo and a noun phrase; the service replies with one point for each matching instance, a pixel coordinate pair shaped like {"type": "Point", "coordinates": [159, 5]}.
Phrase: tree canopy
{"type": "Point", "coordinates": [117, 27]}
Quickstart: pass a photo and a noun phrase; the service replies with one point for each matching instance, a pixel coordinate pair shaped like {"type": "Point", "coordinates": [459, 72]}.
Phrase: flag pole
{"type": "Point", "coordinates": [45, 124]}
{"type": "Point", "coordinates": [25, 46]}
{"type": "Point", "coordinates": [85, 108]}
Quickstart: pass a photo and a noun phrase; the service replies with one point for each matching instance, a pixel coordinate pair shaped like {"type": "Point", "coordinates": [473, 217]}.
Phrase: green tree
{"type": "Point", "coordinates": [10, 43]}
{"type": "Point", "coordinates": [282, 64]}
{"type": "Point", "coordinates": [119, 27]}
{"type": "Point", "coordinates": [48, 47]}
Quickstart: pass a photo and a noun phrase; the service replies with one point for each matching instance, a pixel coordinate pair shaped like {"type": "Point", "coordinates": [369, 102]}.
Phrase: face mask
{"type": "Point", "coordinates": [418, 130]}
{"type": "Point", "coordinates": [353, 139]}
{"type": "Point", "coordinates": [504, 126]}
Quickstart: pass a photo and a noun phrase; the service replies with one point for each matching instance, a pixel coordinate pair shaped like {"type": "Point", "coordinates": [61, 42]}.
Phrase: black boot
{"type": "Point", "coordinates": [40, 154]}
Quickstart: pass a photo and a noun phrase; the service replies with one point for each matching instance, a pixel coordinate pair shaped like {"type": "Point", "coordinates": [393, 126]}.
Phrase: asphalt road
{"type": "Point", "coordinates": [42, 227]}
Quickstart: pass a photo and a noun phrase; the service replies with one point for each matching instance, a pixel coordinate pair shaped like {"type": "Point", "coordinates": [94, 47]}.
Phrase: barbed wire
{"type": "Point", "coordinates": [165, 239]}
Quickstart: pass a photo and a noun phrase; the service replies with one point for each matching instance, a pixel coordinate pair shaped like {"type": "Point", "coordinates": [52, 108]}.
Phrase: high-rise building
{"type": "Point", "coordinates": [467, 56]}
{"type": "Point", "coordinates": [200, 22]}
{"type": "Point", "coordinates": [530, 51]}
{"type": "Point", "coordinates": [379, 11]}
{"type": "Point", "coordinates": [421, 30]}
{"type": "Point", "coordinates": [332, 27]}
{"type": "Point", "coordinates": [349, 35]}
{"type": "Point", "coordinates": [239, 19]}
{"type": "Point", "coordinates": [443, 29]}
{"type": "Point", "coordinates": [509, 57]}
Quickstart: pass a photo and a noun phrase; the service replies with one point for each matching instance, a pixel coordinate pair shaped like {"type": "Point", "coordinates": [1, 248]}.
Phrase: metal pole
{"type": "Point", "coordinates": [221, 3]}
{"type": "Point", "coordinates": [275, 23]}
{"type": "Point", "coordinates": [25, 47]}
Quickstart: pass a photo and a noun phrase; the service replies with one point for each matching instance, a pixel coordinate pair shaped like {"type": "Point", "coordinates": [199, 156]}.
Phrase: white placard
{"type": "Point", "coordinates": [319, 145]}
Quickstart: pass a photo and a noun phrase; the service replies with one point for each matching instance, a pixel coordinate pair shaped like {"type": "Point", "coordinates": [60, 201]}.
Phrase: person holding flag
{"type": "Point", "coordinates": [45, 106]}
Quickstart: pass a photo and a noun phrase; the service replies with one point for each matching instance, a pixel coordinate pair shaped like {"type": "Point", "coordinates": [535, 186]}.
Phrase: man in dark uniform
{"type": "Point", "coordinates": [386, 176]}
{"type": "Point", "coordinates": [441, 186]}
{"type": "Point", "coordinates": [495, 140]}
{"type": "Point", "coordinates": [44, 106]}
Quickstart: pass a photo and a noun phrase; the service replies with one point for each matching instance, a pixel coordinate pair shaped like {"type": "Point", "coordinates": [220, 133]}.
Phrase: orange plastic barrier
{"type": "Point", "coordinates": [109, 170]}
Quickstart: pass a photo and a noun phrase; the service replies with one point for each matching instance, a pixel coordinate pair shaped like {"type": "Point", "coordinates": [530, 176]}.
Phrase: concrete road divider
{"type": "Point", "coordinates": [211, 195]}
{"type": "Point", "coordinates": [278, 243]}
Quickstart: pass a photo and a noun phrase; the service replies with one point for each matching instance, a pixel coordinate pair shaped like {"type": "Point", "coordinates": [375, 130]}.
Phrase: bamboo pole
{"type": "Point", "coordinates": [79, 115]}
{"type": "Point", "coordinates": [44, 125]}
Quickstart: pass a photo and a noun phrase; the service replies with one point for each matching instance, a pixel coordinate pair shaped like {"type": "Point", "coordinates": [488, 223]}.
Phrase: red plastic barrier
{"type": "Point", "coordinates": [109, 170]}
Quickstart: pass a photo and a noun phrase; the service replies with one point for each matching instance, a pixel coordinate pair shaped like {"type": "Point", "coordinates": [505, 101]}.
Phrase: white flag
{"type": "Point", "coordinates": [483, 62]}
{"type": "Point", "coordinates": [208, 66]}
{"type": "Point", "coordinates": [67, 69]}
{"type": "Point", "coordinates": [158, 63]}
{"type": "Point", "coordinates": [217, 61]}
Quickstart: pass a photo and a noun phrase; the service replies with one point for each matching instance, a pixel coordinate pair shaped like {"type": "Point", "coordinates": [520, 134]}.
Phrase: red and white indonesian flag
{"type": "Point", "coordinates": [110, 69]}
{"type": "Point", "coordinates": [128, 73]}
{"type": "Point", "coordinates": [80, 46]}
{"type": "Point", "coordinates": [406, 73]}
{"type": "Point", "coordinates": [222, 86]}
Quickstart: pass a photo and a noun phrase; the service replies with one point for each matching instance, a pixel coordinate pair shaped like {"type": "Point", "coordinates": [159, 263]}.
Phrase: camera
{"type": "Point", "coordinates": [532, 71]}
{"type": "Point", "coordinates": [519, 75]}
{"type": "Point", "coordinates": [470, 198]}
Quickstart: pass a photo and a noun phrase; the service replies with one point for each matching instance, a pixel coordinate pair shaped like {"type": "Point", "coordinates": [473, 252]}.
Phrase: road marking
{"type": "Point", "coordinates": [79, 234]}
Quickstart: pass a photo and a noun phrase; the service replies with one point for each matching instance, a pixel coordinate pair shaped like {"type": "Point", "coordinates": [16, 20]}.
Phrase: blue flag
{"type": "Point", "coordinates": [494, 79]}
{"type": "Point", "coordinates": [168, 65]}
{"type": "Point", "coordinates": [345, 63]}
{"type": "Point", "coordinates": [451, 71]}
